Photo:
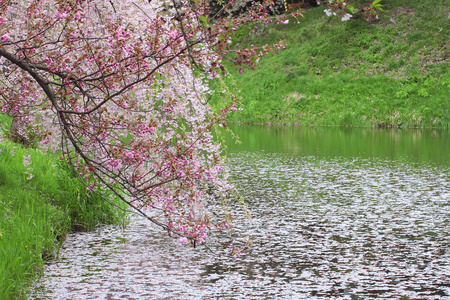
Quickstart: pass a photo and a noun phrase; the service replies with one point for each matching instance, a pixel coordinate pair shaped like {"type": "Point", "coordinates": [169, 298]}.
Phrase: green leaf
{"type": "Point", "coordinates": [203, 19]}
{"type": "Point", "coordinates": [376, 4]}
{"type": "Point", "coordinates": [350, 8]}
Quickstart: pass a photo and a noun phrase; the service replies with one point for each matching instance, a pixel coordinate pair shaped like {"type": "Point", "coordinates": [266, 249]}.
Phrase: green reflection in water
{"type": "Point", "coordinates": [427, 146]}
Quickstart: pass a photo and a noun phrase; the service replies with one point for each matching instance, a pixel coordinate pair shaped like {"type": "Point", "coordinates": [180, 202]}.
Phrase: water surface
{"type": "Point", "coordinates": [336, 214]}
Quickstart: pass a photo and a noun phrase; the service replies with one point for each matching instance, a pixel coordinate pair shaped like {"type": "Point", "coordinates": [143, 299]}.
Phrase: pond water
{"type": "Point", "coordinates": [337, 213]}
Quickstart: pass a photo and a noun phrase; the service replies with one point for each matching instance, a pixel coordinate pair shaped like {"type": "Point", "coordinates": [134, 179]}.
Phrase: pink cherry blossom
{"type": "Point", "coordinates": [121, 90]}
{"type": "Point", "coordinates": [76, 16]}
{"type": "Point", "coordinates": [5, 37]}
{"type": "Point", "coordinates": [26, 160]}
{"type": "Point", "coordinates": [61, 15]}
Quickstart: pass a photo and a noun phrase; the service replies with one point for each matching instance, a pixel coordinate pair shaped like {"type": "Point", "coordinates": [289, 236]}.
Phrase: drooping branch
{"type": "Point", "coordinates": [121, 88]}
{"type": "Point", "coordinates": [43, 83]}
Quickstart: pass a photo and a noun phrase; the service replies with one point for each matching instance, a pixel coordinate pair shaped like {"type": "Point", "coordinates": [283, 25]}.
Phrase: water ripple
{"type": "Point", "coordinates": [321, 229]}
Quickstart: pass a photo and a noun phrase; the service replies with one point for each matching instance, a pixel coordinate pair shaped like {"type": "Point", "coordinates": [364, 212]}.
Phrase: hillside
{"type": "Point", "coordinates": [391, 73]}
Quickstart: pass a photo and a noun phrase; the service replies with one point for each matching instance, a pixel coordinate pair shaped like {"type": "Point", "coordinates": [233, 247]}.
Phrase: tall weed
{"type": "Point", "coordinates": [36, 213]}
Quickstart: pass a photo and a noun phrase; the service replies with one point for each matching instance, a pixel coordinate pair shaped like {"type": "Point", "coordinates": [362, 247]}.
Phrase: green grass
{"type": "Point", "coordinates": [391, 73]}
{"type": "Point", "coordinates": [36, 214]}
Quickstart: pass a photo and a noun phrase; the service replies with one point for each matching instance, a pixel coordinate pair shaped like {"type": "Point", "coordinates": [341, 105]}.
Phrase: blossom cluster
{"type": "Point", "coordinates": [339, 8]}
{"type": "Point", "coordinates": [120, 88]}
{"type": "Point", "coordinates": [372, 10]}
{"type": "Point", "coordinates": [345, 11]}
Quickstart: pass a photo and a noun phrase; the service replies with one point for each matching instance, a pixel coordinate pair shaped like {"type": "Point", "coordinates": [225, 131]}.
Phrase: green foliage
{"type": "Point", "coordinates": [390, 73]}
{"type": "Point", "coordinates": [376, 4]}
{"type": "Point", "coordinates": [5, 122]}
{"type": "Point", "coordinates": [37, 213]}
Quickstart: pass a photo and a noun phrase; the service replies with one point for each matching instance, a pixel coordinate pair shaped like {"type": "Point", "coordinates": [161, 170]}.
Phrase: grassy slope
{"type": "Point", "coordinates": [394, 72]}
{"type": "Point", "coordinates": [36, 214]}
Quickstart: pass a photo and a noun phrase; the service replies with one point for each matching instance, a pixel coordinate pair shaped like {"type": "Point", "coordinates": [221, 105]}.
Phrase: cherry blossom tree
{"type": "Point", "coordinates": [120, 89]}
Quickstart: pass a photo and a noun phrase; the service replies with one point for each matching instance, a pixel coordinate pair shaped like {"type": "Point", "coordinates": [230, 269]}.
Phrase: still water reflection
{"type": "Point", "coordinates": [336, 214]}
{"type": "Point", "coordinates": [427, 146]}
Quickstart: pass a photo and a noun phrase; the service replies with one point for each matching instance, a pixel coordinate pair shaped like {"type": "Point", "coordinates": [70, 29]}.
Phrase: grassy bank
{"type": "Point", "coordinates": [37, 213]}
{"type": "Point", "coordinates": [394, 72]}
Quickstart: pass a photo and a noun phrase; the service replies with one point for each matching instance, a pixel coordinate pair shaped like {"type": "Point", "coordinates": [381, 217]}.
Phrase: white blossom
{"type": "Point", "coordinates": [346, 17]}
